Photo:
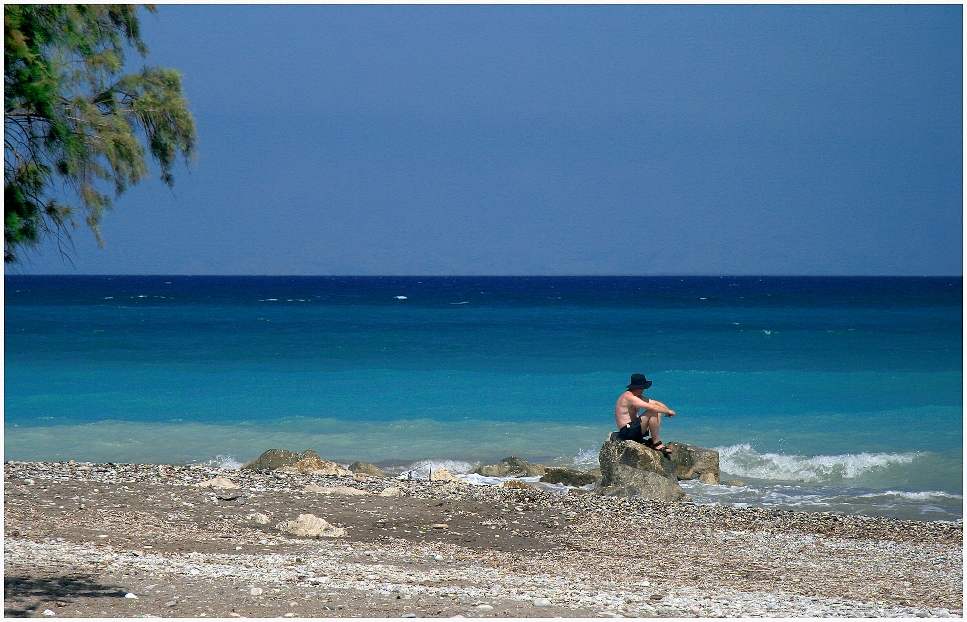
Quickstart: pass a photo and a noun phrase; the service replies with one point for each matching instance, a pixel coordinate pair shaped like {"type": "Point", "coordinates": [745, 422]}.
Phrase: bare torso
{"type": "Point", "coordinates": [626, 410]}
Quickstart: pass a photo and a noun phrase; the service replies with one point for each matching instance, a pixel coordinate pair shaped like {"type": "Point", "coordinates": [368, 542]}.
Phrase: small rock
{"type": "Point", "coordinates": [512, 466]}
{"type": "Point", "coordinates": [439, 558]}
{"type": "Point", "coordinates": [255, 591]}
{"type": "Point", "coordinates": [130, 595]}
{"type": "Point", "coordinates": [234, 615]}
{"type": "Point", "coordinates": [311, 526]}
{"type": "Point", "coordinates": [334, 490]}
{"type": "Point", "coordinates": [259, 518]}
{"type": "Point", "coordinates": [366, 468]}
{"type": "Point", "coordinates": [171, 603]}
{"type": "Point", "coordinates": [408, 615]}
{"type": "Point", "coordinates": [48, 612]}
{"type": "Point", "coordinates": [484, 608]}
{"type": "Point", "coordinates": [696, 609]}
{"type": "Point", "coordinates": [442, 475]}
{"type": "Point", "coordinates": [218, 482]}
{"type": "Point", "coordinates": [316, 466]}
{"type": "Point", "coordinates": [439, 526]}
{"type": "Point", "coordinates": [288, 615]}
{"type": "Point", "coordinates": [391, 492]}
{"type": "Point", "coordinates": [542, 602]}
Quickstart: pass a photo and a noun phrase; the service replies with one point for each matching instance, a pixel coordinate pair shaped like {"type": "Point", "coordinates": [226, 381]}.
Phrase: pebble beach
{"type": "Point", "coordinates": [125, 540]}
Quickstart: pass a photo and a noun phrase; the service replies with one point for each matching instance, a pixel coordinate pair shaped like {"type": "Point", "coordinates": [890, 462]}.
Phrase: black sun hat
{"type": "Point", "coordinates": [638, 381]}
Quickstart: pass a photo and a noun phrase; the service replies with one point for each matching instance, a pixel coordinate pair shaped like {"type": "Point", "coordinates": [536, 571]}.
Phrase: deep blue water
{"type": "Point", "coordinates": [809, 382]}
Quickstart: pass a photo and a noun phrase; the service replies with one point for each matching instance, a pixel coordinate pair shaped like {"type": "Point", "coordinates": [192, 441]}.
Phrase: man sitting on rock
{"type": "Point", "coordinates": [631, 425]}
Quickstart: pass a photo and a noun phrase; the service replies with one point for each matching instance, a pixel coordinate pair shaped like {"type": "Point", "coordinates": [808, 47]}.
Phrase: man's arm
{"type": "Point", "coordinates": [656, 406]}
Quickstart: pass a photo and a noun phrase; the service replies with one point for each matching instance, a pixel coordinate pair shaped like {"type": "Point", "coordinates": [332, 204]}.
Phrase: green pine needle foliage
{"type": "Point", "coordinates": [74, 125]}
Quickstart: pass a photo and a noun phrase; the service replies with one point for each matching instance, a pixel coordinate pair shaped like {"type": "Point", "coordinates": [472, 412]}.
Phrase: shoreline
{"type": "Point", "coordinates": [78, 538]}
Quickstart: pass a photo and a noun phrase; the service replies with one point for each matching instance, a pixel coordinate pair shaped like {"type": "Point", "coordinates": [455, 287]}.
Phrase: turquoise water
{"type": "Point", "coordinates": [838, 391]}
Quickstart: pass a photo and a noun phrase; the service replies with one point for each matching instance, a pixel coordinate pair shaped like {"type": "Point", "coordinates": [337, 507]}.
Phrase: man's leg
{"type": "Point", "coordinates": [653, 422]}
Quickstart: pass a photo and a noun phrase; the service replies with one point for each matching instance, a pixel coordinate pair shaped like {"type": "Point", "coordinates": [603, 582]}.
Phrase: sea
{"type": "Point", "coordinates": [821, 394]}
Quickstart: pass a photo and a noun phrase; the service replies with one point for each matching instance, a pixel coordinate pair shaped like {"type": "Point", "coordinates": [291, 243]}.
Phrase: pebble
{"type": "Point", "coordinates": [542, 602]}
{"type": "Point", "coordinates": [48, 612]}
{"type": "Point", "coordinates": [131, 595]}
{"type": "Point", "coordinates": [485, 608]}
{"type": "Point", "coordinates": [409, 615]}
{"type": "Point", "coordinates": [255, 591]}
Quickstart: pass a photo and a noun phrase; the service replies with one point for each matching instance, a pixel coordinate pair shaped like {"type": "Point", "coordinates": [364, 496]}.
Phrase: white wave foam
{"type": "Point", "coordinates": [912, 496]}
{"type": "Point", "coordinates": [422, 468]}
{"type": "Point", "coordinates": [583, 460]}
{"type": "Point", "coordinates": [743, 461]}
{"type": "Point", "coordinates": [221, 461]}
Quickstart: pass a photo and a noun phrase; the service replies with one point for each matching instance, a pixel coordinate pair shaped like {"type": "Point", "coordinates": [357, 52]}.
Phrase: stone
{"type": "Point", "coordinates": [393, 491]}
{"type": "Point", "coordinates": [695, 463]}
{"type": "Point", "coordinates": [273, 459]}
{"type": "Point", "coordinates": [366, 468]}
{"type": "Point", "coordinates": [568, 477]}
{"type": "Point", "coordinates": [511, 466]}
{"type": "Point", "coordinates": [485, 608]}
{"type": "Point", "coordinates": [439, 526]}
{"type": "Point", "coordinates": [334, 490]}
{"type": "Point", "coordinates": [218, 482]}
{"type": "Point", "coordinates": [542, 602]}
{"type": "Point", "coordinates": [442, 475]}
{"type": "Point", "coordinates": [629, 469]}
{"type": "Point", "coordinates": [316, 466]}
{"type": "Point", "coordinates": [311, 526]}
{"type": "Point", "coordinates": [255, 591]}
{"type": "Point", "coordinates": [733, 482]}
{"type": "Point", "coordinates": [516, 483]}
{"type": "Point", "coordinates": [259, 518]}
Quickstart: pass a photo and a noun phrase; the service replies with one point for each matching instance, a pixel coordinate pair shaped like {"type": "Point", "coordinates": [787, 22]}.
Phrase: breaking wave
{"type": "Point", "coordinates": [743, 461]}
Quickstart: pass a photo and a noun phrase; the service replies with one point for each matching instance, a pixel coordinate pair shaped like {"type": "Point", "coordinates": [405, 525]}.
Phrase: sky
{"type": "Point", "coordinates": [552, 140]}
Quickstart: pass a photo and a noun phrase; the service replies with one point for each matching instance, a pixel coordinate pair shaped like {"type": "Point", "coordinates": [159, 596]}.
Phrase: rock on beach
{"type": "Point", "coordinates": [511, 466]}
{"type": "Point", "coordinates": [630, 469]}
{"type": "Point", "coordinates": [310, 526]}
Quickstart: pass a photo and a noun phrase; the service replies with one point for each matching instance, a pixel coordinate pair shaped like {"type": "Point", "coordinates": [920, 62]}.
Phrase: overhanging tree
{"type": "Point", "coordinates": [77, 130]}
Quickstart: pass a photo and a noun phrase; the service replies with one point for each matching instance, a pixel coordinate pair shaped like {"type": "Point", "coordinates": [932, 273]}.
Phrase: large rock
{"type": "Point", "coordinates": [511, 466]}
{"type": "Point", "coordinates": [693, 462]}
{"type": "Point", "coordinates": [568, 477]}
{"type": "Point", "coordinates": [277, 458]}
{"type": "Point", "coordinates": [629, 469]}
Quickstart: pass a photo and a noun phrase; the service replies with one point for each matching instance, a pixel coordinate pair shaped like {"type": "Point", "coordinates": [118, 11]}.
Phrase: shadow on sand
{"type": "Point", "coordinates": [23, 595]}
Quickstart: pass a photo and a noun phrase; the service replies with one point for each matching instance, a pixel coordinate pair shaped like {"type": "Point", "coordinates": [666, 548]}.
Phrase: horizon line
{"type": "Point", "coordinates": [557, 276]}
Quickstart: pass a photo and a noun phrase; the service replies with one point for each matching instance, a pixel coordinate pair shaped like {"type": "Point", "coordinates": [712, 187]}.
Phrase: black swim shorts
{"type": "Point", "coordinates": [632, 432]}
